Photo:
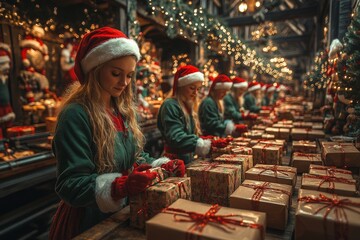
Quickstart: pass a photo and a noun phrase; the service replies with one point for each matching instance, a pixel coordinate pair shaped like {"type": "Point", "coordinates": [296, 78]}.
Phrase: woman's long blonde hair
{"type": "Point", "coordinates": [217, 101]}
{"type": "Point", "coordinates": [194, 109]}
{"type": "Point", "coordinates": [89, 96]}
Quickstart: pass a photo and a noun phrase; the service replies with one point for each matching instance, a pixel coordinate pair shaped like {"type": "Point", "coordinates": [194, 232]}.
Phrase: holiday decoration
{"type": "Point", "coordinates": [34, 54]}
{"type": "Point", "coordinates": [7, 115]}
{"type": "Point", "coordinates": [67, 60]}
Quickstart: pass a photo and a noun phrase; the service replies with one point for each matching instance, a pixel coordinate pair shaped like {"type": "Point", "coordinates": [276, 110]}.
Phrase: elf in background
{"type": "Point", "coordinates": [177, 119]}
{"type": "Point", "coordinates": [268, 99]}
{"type": "Point", "coordinates": [234, 102]}
{"type": "Point", "coordinates": [211, 110]}
{"type": "Point", "coordinates": [250, 97]}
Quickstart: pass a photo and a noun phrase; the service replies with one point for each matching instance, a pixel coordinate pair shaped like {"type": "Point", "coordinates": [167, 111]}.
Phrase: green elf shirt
{"type": "Point", "coordinates": [78, 182]}
{"type": "Point", "coordinates": [250, 103]}
{"type": "Point", "coordinates": [232, 108]}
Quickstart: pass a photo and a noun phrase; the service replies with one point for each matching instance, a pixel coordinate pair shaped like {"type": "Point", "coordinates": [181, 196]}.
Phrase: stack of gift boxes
{"type": "Point", "coordinates": [246, 187]}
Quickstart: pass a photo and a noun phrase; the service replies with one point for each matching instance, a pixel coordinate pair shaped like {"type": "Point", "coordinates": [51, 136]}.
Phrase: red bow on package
{"type": "Point", "coordinates": [241, 128]}
{"type": "Point", "coordinates": [219, 143]}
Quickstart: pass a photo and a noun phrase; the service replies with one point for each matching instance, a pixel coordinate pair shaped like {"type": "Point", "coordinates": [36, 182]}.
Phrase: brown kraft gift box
{"type": "Point", "coordinates": [246, 162]}
{"type": "Point", "coordinates": [254, 134]}
{"type": "Point", "coordinates": [304, 146]}
{"type": "Point", "coordinates": [267, 154]}
{"type": "Point", "coordinates": [306, 134]}
{"type": "Point", "coordinates": [340, 154]}
{"type": "Point", "coordinates": [326, 216]}
{"type": "Point", "coordinates": [280, 133]}
{"type": "Point", "coordinates": [302, 161]}
{"type": "Point", "coordinates": [213, 182]}
{"type": "Point", "coordinates": [330, 184]}
{"type": "Point", "coordinates": [149, 203]}
{"type": "Point", "coordinates": [270, 198]}
{"type": "Point", "coordinates": [183, 220]}
{"type": "Point", "coordinates": [330, 171]}
{"type": "Point", "coordinates": [272, 173]}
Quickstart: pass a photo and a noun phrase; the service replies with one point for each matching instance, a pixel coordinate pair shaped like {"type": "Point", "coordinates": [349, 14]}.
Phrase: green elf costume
{"type": "Point", "coordinates": [249, 98]}
{"type": "Point", "coordinates": [7, 115]}
{"type": "Point", "coordinates": [89, 196]}
{"type": "Point", "coordinates": [268, 99]}
{"type": "Point", "coordinates": [232, 104]}
{"type": "Point", "coordinates": [210, 115]}
{"type": "Point", "coordinates": [176, 122]}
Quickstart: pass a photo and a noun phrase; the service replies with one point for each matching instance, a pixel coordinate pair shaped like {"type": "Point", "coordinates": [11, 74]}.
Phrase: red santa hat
{"type": "Point", "coordinates": [270, 88]}
{"type": "Point", "coordinates": [100, 46]}
{"type": "Point", "coordinates": [263, 86]}
{"type": "Point", "coordinates": [239, 82]}
{"type": "Point", "coordinates": [281, 87]}
{"type": "Point", "coordinates": [221, 82]}
{"type": "Point", "coordinates": [254, 85]}
{"type": "Point", "coordinates": [5, 53]}
{"type": "Point", "coordinates": [186, 75]}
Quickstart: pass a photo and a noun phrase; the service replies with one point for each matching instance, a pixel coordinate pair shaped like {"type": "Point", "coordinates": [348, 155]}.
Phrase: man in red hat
{"type": "Point", "coordinates": [211, 110]}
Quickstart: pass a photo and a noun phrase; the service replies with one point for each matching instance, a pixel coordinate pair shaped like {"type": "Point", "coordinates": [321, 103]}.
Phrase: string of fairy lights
{"type": "Point", "coordinates": [180, 18]}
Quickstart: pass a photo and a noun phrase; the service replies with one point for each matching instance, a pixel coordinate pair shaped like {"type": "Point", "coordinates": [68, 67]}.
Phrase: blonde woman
{"type": "Point", "coordinates": [97, 139]}
{"type": "Point", "coordinates": [177, 120]}
{"type": "Point", "coordinates": [211, 110]}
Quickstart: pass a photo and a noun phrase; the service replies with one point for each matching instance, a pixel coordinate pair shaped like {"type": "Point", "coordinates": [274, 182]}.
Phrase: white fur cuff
{"type": "Point", "coordinates": [160, 161]}
{"type": "Point", "coordinates": [103, 193]}
{"type": "Point", "coordinates": [202, 147]}
{"type": "Point", "coordinates": [230, 127]}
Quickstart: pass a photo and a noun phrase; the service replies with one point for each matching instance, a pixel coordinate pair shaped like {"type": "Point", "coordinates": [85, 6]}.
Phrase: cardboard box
{"type": "Point", "coordinates": [270, 198]}
{"type": "Point", "coordinates": [272, 173]}
{"type": "Point", "coordinates": [149, 203]}
{"type": "Point", "coordinates": [330, 171]}
{"type": "Point", "coordinates": [302, 161]}
{"type": "Point", "coordinates": [317, 218]}
{"type": "Point", "coordinates": [212, 182]}
{"type": "Point", "coordinates": [306, 134]}
{"type": "Point", "coordinates": [340, 154]}
{"type": "Point", "coordinates": [267, 154]}
{"type": "Point", "coordinates": [242, 224]}
{"type": "Point", "coordinates": [246, 162]}
{"type": "Point", "coordinates": [330, 184]}
{"type": "Point", "coordinates": [304, 146]}
{"type": "Point", "coordinates": [280, 133]}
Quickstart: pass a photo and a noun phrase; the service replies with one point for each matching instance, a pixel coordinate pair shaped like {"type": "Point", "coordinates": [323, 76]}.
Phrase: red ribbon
{"type": "Point", "coordinates": [330, 179]}
{"type": "Point", "coordinates": [308, 155]}
{"type": "Point", "coordinates": [180, 185]}
{"type": "Point", "coordinates": [339, 206]}
{"type": "Point", "coordinates": [259, 192]}
{"type": "Point", "coordinates": [263, 152]}
{"type": "Point", "coordinates": [331, 170]}
{"type": "Point", "coordinates": [204, 191]}
{"type": "Point", "coordinates": [275, 169]}
{"type": "Point", "coordinates": [200, 220]}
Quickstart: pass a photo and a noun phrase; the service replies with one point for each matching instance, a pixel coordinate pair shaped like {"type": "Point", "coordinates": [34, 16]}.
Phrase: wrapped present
{"type": "Point", "coordinates": [254, 134]}
{"type": "Point", "coordinates": [268, 136]}
{"type": "Point", "coordinates": [242, 150]}
{"type": "Point", "coordinates": [326, 216]}
{"type": "Point", "coordinates": [272, 198]}
{"type": "Point", "coordinates": [277, 142]}
{"type": "Point", "coordinates": [318, 125]}
{"type": "Point", "coordinates": [159, 175]}
{"type": "Point", "coordinates": [330, 171]}
{"type": "Point", "coordinates": [240, 144]}
{"type": "Point", "coordinates": [259, 127]}
{"type": "Point", "coordinates": [191, 220]}
{"type": "Point", "coordinates": [302, 161]}
{"type": "Point", "coordinates": [330, 184]}
{"type": "Point", "coordinates": [19, 131]}
{"type": "Point", "coordinates": [241, 139]}
{"type": "Point", "coordinates": [213, 182]}
{"type": "Point", "coordinates": [149, 203]}
{"type": "Point", "coordinates": [264, 113]}
{"type": "Point", "coordinates": [303, 124]}
{"type": "Point", "coordinates": [280, 125]}
{"type": "Point", "coordinates": [50, 124]}
{"type": "Point", "coordinates": [340, 154]}
{"type": "Point", "coordinates": [16, 155]}
{"type": "Point", "coordinates": [304, 146]}
{"type": "Point", "coordinates": [286, 122]}
{"type": "Point", "coordinates": [306, 134]}
{"type": "Point", "coordinates": [246, 161]}
{"type": "Point", "coordinates": [272, 173]}
{"type": "Point", "coordinates": [267, 154]}
{"type": "Point", "coordinates": [285, 114]}
{"type": "Point", "coordinates": [280, 133]}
